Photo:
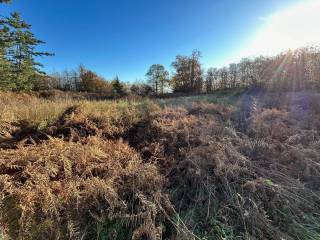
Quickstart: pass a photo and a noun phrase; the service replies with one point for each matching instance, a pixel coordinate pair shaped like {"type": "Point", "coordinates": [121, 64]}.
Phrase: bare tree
{"type": "Point", "coordinates": [211, 80]}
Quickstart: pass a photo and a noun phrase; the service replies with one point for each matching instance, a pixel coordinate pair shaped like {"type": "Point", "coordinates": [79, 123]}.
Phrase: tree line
{"type": "Point", "coordinates": [290, 70]}
{"type": "Point", "coordinates": [82, 80]}
{"type": "Point", "coordinates": [19, 70]}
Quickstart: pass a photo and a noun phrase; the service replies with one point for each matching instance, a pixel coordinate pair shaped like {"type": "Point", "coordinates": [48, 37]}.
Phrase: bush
{"type": "Point", "coordinates": [142, 90]}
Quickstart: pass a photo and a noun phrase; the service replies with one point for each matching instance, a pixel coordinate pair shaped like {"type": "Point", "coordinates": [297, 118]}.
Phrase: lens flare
{"type": "Point", "coordinates": [288, 29]}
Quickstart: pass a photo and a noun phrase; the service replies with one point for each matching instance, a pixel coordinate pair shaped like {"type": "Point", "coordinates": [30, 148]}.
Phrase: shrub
{"type": "Point", "coordinates": [141, 90]}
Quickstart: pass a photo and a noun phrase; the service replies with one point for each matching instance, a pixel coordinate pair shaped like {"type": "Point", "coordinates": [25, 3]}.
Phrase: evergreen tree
{"type": "Point", "coordinates": [18, 47]}
{"type": "Point", "coordinates": [6, 81]}
{"type": "Point", "coordinates": [6, 78]}
{"type": "Point", "coordinates": [117, 87]}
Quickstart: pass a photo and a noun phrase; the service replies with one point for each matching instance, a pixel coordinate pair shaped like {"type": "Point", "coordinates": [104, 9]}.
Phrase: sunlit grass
{"type": "Point", "coordinates": [225, 97]}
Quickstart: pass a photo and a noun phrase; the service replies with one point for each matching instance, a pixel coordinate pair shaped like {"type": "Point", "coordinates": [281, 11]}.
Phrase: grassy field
{"type": "Point", "coordinates": [231, 165]}
{"type": "Point", "coordinates": [224, 97]}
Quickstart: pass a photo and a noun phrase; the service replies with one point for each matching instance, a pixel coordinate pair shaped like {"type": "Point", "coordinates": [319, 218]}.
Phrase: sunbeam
{"type": "Point", "coordinates": [288, 29]}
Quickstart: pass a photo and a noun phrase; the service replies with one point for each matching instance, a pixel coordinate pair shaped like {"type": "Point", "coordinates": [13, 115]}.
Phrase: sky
{"type": "Point", "coordinates": [125, 37]}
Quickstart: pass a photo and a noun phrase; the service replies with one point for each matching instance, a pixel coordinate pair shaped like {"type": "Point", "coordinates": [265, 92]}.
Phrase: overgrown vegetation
{"type": "Point", "coordinates": [143, 170]}
{"type": "Point", "coordinates": [236, 156]}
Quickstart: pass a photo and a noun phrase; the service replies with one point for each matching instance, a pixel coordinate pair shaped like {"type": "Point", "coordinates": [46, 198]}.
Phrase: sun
{"type": "Point", "coordinates": [289, 29]}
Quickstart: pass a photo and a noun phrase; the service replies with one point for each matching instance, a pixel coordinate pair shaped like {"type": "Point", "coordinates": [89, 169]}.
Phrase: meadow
{"type": "Point", "coordinates": [237, 164]}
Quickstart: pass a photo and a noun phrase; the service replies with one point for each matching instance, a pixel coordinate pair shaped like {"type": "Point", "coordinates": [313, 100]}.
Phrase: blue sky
{"type": "Point", "coordinates": [124, 37]}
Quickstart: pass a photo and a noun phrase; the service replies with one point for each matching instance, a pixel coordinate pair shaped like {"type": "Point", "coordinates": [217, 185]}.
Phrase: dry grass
{"type": "Point", "coordinates": [60, 190]}
{"type": "Point", "coordinates": [24, 118]}
{"type": "Point", "coordinates": [135, 170]}
{"type": "Point", "coordinates": [21, 110]}
{"type": "Point", "coordinates": [24, 107]}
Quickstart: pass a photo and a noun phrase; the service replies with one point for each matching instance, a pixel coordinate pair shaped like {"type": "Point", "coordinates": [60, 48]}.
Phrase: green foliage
{"type": "Point", "coordinates": [225, 97]}
{"type": "Point", "coordinates": [18, 66]}
{"type": "Point", "coordinates": [6, 77]}
{"type": "Point", "coordinates": [110, 230]}
{"type": "Point", "coordinates": [158, 78]}
{"type": "Point", "coordinates": [117, 87]}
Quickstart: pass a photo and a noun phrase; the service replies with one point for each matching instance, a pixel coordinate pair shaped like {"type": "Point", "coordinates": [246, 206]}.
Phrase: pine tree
{"type": "Point", "coordinates": [18, 47]}
{"type": "Point", "coordinates": [6, 81]}
{"type": "Point", "coordinates": [117, 87]}
{"type": "Point", "coordinates": [6, 78]}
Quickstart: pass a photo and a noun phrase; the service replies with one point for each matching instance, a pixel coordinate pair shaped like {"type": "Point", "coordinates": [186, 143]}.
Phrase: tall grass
{"type": "Point", "coordinates": [187, 168]}
{"type": "Point", "coordinates": [15, 107]}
